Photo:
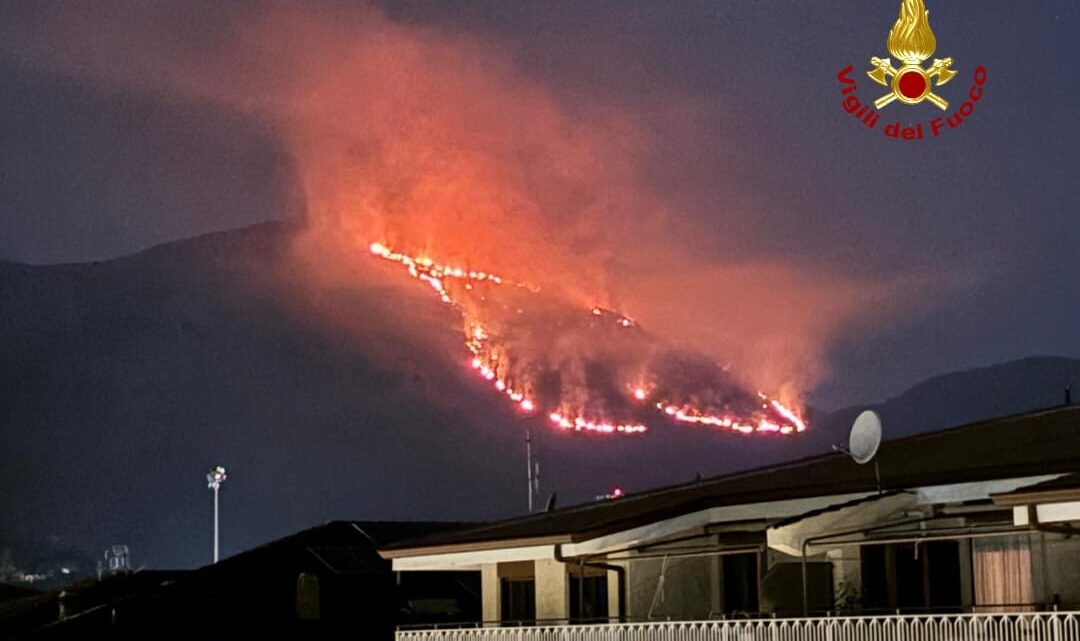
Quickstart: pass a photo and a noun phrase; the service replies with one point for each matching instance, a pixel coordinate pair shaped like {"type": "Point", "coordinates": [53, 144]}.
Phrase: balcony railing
{"type": "Point", "coordinates": [1018, 626]}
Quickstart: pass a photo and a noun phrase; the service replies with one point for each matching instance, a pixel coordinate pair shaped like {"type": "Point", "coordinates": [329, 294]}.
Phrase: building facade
{"type": "Point", "coordinates": [970, 526]}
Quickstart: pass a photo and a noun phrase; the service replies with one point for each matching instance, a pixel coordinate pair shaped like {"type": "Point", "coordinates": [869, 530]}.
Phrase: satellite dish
{"type": "Point", "coordinates": [865, 437]}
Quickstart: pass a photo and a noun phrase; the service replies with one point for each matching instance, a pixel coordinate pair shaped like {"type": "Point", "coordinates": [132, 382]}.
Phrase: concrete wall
{"type": "Point", "coordinates": [716, 584]}
{"type": "Point", "coordinates": [613, 595]}
{"type": "Point", "coordinates": [489, 592]}
{"type": "Point", "coordinates": [552, 591]}
{"type": "Point", "coordinates": [847, 577]}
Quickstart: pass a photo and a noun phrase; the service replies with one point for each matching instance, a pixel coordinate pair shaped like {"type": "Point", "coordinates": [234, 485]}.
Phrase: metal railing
{"type": "Point", "coordinates": [1016, 626]}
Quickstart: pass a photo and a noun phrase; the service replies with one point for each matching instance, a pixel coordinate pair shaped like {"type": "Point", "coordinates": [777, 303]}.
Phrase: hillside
{"type": "Point", "coordinates": [124, 381]}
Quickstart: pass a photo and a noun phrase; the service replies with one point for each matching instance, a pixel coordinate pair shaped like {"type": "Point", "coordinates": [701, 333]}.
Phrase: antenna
{"type": "Point", "coordinates": [529, 465]}
{"type": "Point", "coordinates": [865, 437]}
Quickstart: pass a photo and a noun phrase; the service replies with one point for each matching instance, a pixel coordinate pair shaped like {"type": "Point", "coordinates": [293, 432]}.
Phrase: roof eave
{"type": "Point", "coordinates": [475, 546]}
{"type": "Point", "coordinates": [1021, 497]}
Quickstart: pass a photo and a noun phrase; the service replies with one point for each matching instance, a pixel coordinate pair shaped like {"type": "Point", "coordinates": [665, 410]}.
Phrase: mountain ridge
{"type": "Point", "coordinates": [124, 380]}
{"type": "Point", "coordinates": [966, 396]}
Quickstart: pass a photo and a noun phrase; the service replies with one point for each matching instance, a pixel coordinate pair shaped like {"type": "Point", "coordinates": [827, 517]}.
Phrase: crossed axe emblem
{"type": "Point", "coordinates": [939, 71]}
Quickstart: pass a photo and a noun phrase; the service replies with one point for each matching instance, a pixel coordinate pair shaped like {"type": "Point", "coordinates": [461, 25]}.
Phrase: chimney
{"type": "Point", "coordinates": [1068, 395]}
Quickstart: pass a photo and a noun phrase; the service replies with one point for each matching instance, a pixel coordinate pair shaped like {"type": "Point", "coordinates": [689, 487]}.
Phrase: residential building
{"type": "Point", "coordinates": [966, 529]}
{"type": "Point", "coordinates": [324, 582]}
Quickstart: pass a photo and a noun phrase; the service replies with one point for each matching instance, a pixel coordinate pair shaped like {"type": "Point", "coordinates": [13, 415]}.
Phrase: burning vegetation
{"type": "Point", "coordinates": [548, 209]}
{"type": "Point", "coordinates": [592, 369]}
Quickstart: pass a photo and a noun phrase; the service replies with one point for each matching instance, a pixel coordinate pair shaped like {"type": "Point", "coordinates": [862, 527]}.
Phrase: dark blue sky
{"type": "Point", "coordinates": [985, 218]}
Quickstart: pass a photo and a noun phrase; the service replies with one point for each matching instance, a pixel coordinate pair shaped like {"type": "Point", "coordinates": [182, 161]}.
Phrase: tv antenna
{"type": "Point", "coordinates": [533, 470]}
{"type": "Point", "coordinates": [864, 439]}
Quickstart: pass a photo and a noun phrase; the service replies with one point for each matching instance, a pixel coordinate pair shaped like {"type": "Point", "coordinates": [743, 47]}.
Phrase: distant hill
{"type": "Point", "coordinates": [968, 396]}
{"type": "Point", "coordinates": [122, 382]}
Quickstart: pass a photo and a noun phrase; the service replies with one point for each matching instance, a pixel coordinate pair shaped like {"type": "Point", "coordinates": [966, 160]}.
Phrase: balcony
{"type": "Point", "coordinates": [1000, 626]}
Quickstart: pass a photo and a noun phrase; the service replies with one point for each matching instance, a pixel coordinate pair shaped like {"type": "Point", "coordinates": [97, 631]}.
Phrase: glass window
{"type": "Point", "coordinates": [1002, 573]}
{"type": "Point", "coordinates": [588, 599]}
{"type": "Point", "coordinates": [518, 601]}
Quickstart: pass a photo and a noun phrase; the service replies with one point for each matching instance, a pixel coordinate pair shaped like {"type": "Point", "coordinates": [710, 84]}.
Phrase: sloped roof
{"type": "Point", "coordinates": [837, 507]}
{"type": "Point", "coordinates": [341, 547]}
{"type": "Point", "coordinates": [1064, 488]}
{"type": "Point", "coordinates": [1042, 442]}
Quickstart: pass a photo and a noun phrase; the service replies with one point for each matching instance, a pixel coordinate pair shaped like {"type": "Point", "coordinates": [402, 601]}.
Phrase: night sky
{"type": "Point", "coordinates": [880, 262]}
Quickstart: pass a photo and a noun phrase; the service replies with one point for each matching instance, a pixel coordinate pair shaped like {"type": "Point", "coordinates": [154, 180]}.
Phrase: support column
{"type": "Point", "coordinates": [847, 577]}
{"type": "Point", "coordinates": [967, 587]}
{"type": "Point", "coordinates": [716, 580]}
{"type": "Point", "coordinates": [613, 596]}
{"type": "Point", "coordinates": [489, 593]}
{"type": "Point", "coordinates": [552, 591]}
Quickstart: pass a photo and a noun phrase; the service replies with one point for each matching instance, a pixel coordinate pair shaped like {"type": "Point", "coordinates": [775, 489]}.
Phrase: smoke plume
{"type": "Point", "coordinates": [435, 143]}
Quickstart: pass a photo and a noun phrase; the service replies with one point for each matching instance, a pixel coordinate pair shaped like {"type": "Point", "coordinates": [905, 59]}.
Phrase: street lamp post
{"type": "Point", "coordinates": [214, 479]}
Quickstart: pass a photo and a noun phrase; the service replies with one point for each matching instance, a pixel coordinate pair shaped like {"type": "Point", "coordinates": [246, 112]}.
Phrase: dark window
{"type": "Point", "coordinates": [588, 599]}
{"type": "Point", "coordinates": [518, 601]}
{"type": "Point", "coordinates": [943, 579]}
{"type": "Point", "coordinates": [922, 579]}
{"type": "Point", "coordinates": [908, 574]}
{"type": "Point", "coordinates": [875, 578]}
{"type": "Point", "coordinates": [740, 573]}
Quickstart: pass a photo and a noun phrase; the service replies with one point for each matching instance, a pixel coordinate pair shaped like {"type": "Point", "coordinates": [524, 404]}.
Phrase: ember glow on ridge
{"type": "Point", "coordinates": [473, 292]}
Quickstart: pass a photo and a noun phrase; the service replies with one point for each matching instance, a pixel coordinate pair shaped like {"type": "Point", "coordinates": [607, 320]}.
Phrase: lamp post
{"type": "Point", "coordinates": [214, 479]}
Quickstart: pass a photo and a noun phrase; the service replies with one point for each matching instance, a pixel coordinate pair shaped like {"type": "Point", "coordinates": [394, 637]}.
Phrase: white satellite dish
{"type": "Point", "coordinates": [865, 437]}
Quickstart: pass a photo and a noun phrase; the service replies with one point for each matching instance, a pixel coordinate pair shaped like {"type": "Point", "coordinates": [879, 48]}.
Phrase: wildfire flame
{"type": "Point", "coordinates": [911, 38]}
{"type": "Point", "coordinates": [492, 360]}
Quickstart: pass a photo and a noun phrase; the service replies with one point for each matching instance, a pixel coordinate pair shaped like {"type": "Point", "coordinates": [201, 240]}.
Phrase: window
{"type": "Point", "coordinates": [588, 598]}
{"type": "Point", "coordinates": [923, 578]}
{"type": "Point", "coordinates": [740, 572]}
{"type": "Point", "coordinates": [518, 597]}
{"type": "Point", "coordinates": [1002, 572]}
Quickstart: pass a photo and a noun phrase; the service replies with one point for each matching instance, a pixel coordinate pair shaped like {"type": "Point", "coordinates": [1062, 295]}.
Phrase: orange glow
{"type": "Point", "coordinates": [796, 420]}
{"type": "Point", "coordinates": [435, 142]}
{"type": "Point", "coordinates": [580, 424]}
{"type": "Point", "coordinates": [773, 416]}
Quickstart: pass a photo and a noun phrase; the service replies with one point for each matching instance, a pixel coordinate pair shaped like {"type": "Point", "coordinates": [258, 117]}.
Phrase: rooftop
{"type": "Point", "coordinates": [1035, 443]}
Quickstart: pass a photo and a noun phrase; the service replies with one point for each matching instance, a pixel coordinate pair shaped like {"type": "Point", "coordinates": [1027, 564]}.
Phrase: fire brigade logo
{"type": "Point", "coordinates": [911, 41]}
